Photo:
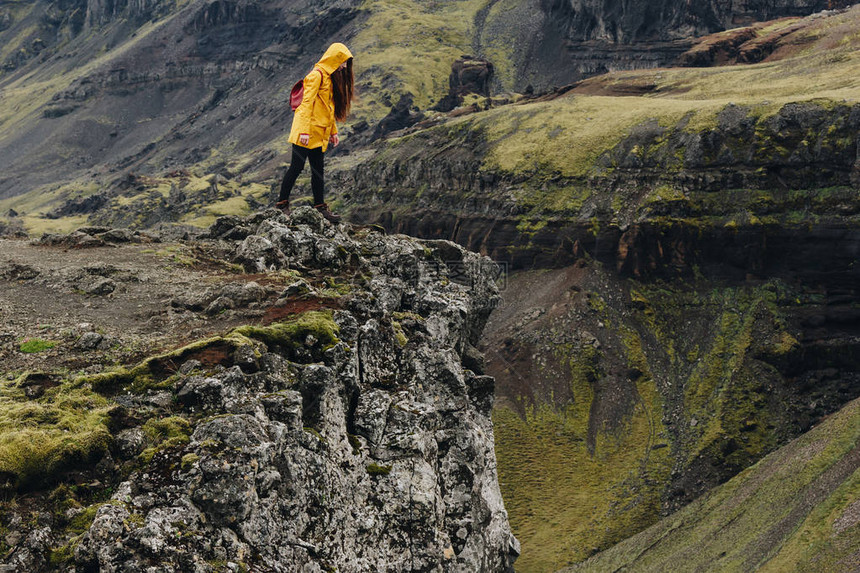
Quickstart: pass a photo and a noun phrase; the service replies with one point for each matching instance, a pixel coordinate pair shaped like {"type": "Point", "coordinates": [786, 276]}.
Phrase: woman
{"type": "Point", "coordinates": [328, 92]}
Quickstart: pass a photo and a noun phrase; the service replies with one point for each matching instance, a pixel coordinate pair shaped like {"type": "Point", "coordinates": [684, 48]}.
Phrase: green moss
{"type": "Point", "coordinates": [188, 460]}
{"type": "Point", "coordinates": [318, 324]}
{"type": "Point", "coordinates": [165, 433]}
{"type": "Point", "coordinates": [62, 499]}
{"type": "Point", "coordinates": [596, 302]}
{"type": "Point", "coordinates": [375, 469]}
{"type": "Point", "coordinates": [726, 392]}
{"type": "Point", "coordinates": [82, 521]}
{"type": "Point", "coordinates": [530, 227]}
{"type": "Point", "coordinates": [341, 288]}
{"type": "Point", "coordinates": [165, 429]}
{"type": "Point", "coordinates": [59, 556]}
{"type": "Point", "coordinates": [40, 439]}
{"type": "Point", "coordinates": [399, 336]}
{"type": "Point", "coordinates": [355, 443]}
{"type": "Point", "coordinates": [157, 372]}
{"type": "Point", "coordinates": [315, 433]}
{"type": "Point", "coordinates": [35, 345]}
{"type": "Point", "coordinates": [401, 316]}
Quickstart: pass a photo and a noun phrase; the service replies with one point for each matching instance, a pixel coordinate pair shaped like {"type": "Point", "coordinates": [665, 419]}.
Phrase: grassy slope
{"type": "Point", "coordinates": [565, 503]}
{"type": "Point", "coordinates": [795, 510]}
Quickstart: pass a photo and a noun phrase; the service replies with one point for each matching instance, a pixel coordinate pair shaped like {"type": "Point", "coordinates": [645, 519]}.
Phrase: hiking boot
{"type": "Point", "coordinates": [284, 206]}
{"type": "Point", "coordinates": [326, 212]}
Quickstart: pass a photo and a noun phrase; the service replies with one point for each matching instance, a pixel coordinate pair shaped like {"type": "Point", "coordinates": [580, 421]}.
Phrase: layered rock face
{"type": "Point", "coordinates": [561, 41]}
{"type": "Point", "coordinates": [774, 169]}
{"type": "Point", "coordinates": [352, 435]}
{"type": "Point", "coordinates": [627, 21]}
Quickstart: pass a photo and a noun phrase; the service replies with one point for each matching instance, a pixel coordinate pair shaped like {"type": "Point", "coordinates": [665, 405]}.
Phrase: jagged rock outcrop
{"type": "Point", "coordinates": [401, 116]}
{"type": "Point", "coordinates": [469, 75]}
{"type": "Point", "coordinates": [349, 436]}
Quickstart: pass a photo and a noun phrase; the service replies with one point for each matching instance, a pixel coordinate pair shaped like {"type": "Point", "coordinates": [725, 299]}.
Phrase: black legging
{"type": "Point", "coordinates": [297, 163]}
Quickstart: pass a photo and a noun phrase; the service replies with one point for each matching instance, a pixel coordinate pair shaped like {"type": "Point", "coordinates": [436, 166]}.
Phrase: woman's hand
{"type": "Point", "coordinates": [304, 138]}
{"type": "Point", "coordinates": [334, 140]}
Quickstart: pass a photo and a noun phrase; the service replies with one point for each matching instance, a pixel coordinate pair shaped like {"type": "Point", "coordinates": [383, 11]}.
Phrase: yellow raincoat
{"type": "Point", "coordinates": [315, 115]}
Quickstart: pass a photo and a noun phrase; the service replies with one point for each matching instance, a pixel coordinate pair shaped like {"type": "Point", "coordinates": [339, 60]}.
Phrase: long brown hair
{"type": "Point", "coordinates": [343, 88]}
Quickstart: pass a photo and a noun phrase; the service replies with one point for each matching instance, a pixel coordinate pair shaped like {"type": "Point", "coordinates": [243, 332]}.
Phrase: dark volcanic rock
{"type": "Point", "coordinates": [401, 116]}
{"type": "Point", "coordinates": [469, 75]}
{"type": "Point", "coordinates": [85, 205]}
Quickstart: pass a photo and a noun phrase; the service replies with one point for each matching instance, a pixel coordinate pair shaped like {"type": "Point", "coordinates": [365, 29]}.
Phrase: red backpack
{"type": "Point", "coordinates": [298, 92]}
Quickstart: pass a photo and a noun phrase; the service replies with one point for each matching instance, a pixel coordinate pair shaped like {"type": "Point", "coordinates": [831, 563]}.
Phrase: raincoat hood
{"type": "Point", "coordinates": [336, 54]}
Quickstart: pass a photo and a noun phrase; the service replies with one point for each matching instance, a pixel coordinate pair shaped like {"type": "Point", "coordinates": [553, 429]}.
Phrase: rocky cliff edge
{"type": "Point", "coordinates": [352, 434]}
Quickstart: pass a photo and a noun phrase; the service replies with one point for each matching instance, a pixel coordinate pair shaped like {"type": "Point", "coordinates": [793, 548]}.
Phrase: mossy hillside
{"type": "Point", "coordinates": [185, 197]}
{"type": "Point", "coordinates": [565, 136]}
{"type": "Point", "coordinates": [205, 198]}
{"type": "Point", "coordinates": [573, 486]}
{"type": "Point", "coordinates": [629, 163]}
{"type": "Point", "coordinates": [829, 533]}
{"type": "Point", "coordinates": [789, 512]}
{"type": "Point", "coordinates": [25, 95]}
{"type": "Point", "coordinates": [721, 347]}
{"type": "Point", "coordinates": [565, 504]}
{"type": "Point", "coordinates": [34, 205]}
{"type": "Point", "coordinates": [17, 35]}
{"type": "Point", "coordinates": [725, 402]}
{"type": "Point", "coordinates": [631, 156]}
{"type": "Point", "coordinates": [826, 66]}
{"type": "Point", "coordinates": [759, 34]}
{"type": "Point", "coordinates": [408, 46]}
{"type": "Point", "coordinates": [506, 30]}
{"type": "Point", "coordinates": [701, 367]}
